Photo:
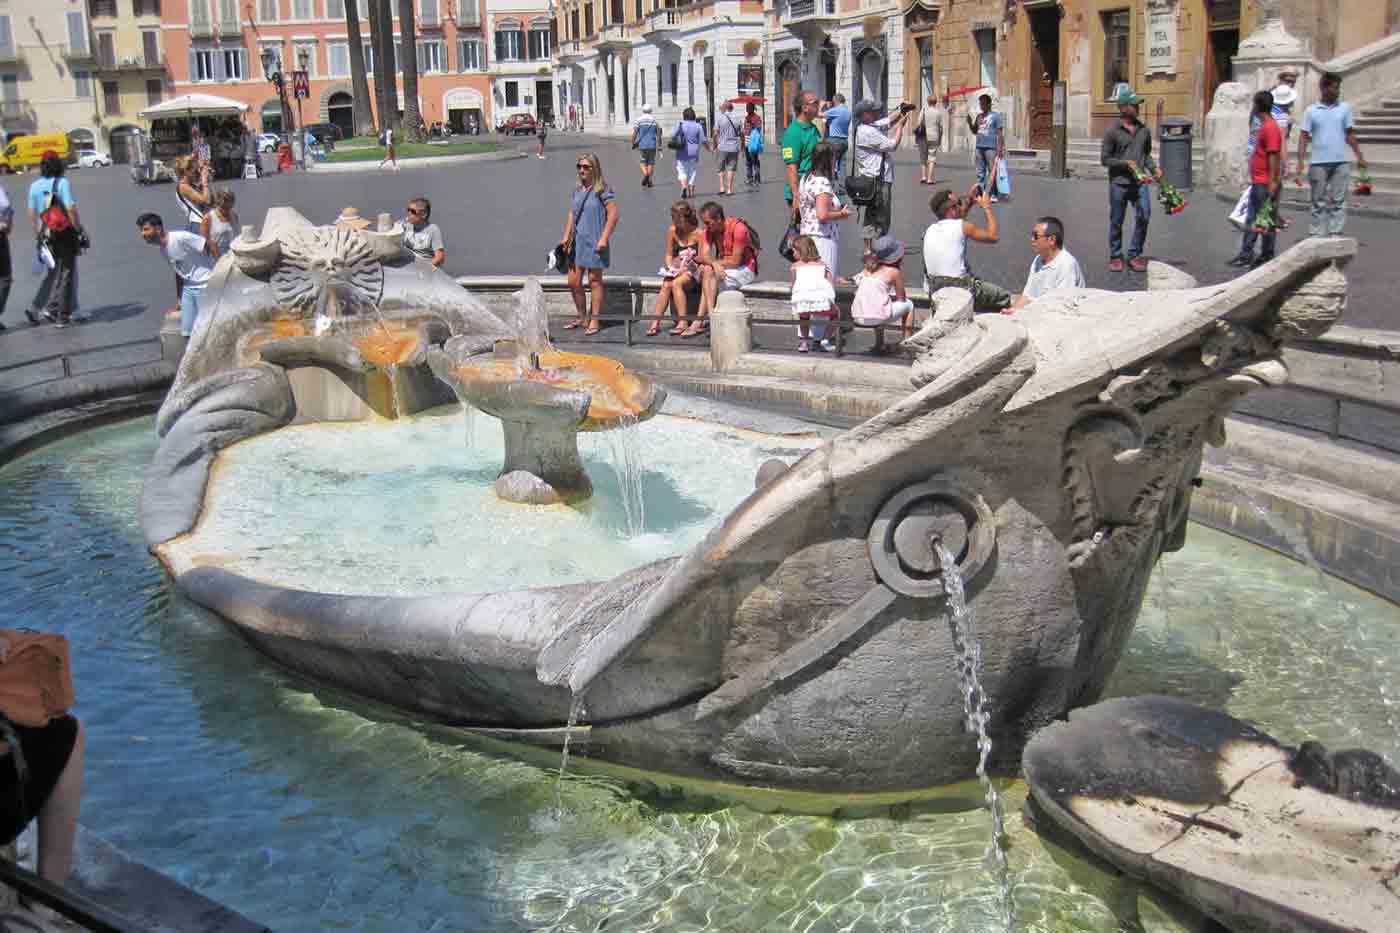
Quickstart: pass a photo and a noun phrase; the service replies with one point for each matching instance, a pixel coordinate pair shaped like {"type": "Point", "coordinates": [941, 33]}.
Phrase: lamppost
{"type": "Point", "coordinates": [301, 89]}
{"type": "Point", "coordinates": [272, 70]}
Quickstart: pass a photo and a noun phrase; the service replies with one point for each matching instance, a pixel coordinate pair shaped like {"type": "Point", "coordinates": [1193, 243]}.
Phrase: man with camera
{"type": "Point", "coordinates": [874, 148]}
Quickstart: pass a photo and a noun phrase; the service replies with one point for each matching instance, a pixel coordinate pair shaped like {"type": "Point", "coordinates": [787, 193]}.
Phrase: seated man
{"type": "Point", "coordinates": [728, 260]}
{"type": "Point", "coordinates": [1053, 267]}
{"type": "Point", "coordinates": [945, 247]}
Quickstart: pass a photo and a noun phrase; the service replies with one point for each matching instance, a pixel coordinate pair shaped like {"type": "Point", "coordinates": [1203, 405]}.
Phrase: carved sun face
{"type": "Point", "coordinates": [312, 257]}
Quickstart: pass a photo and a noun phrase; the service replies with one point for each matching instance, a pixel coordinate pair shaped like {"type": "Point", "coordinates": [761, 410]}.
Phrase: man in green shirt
{"type": "Point", "coordinates": [799, 139]}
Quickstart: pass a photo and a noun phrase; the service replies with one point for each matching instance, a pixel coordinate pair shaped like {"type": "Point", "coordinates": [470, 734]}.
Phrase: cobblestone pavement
{"type": "Point", "coordinates": [501, 217]}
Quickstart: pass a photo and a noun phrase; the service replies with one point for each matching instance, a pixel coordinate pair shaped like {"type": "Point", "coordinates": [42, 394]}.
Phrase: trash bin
{"type": "Point", "coordinates": [1174, 151]}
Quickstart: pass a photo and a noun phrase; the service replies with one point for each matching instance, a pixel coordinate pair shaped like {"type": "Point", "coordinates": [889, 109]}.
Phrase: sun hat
{"type": "Point", "coordinates": [1126, 96]}
{"type": "Point", "coordinates": [865, 106]}
{"type": "Point", "coordinates": [1284, 96]}
{"type": "Point", "coordinates": [887, 249]}
{"type": "Point", "coordinates": [350, 217]}
{"type": "Point", "coordinates": [646, 109]}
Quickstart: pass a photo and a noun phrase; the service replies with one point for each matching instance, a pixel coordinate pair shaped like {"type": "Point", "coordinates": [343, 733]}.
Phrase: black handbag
{"type": "Point", "coordinates": [785, 247]}
{"type": "Point", "coordinates": [863, 190]}
{"type": "Point", "coordinates": [675, 142]}
{"type": "Point", "coordinates": [561, 258]}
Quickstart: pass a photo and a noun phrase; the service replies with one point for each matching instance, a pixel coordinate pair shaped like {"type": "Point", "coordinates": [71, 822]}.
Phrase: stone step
{"type": "Point", "coordinates": [1378, 137]}
{"type": "Point", "coordinates": [1378, 118]}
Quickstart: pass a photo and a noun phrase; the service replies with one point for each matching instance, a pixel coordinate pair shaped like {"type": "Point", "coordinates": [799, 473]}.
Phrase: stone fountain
{"type": "Point", "coordinates": [805, 643]}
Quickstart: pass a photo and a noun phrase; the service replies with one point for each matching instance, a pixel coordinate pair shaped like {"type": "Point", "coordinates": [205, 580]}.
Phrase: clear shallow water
{"type": "Point", "coordinates": [407, 508]}
{"type": "Point", "coordinates": [308, 810]}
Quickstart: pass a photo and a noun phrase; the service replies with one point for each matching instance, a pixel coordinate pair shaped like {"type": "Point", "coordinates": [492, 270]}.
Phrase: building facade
{"type": "Point", "coordinates": [48, 61]}
{"type": "Point", "coordinates": [129, 68]}
{"type": "Point", "coordinates": [217, 47]}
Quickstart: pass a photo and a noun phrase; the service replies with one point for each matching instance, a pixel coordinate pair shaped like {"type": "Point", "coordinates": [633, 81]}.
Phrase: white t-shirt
{"type": "Point", "coordinates": [1061, 272]}
{"type": "Point", "coordinates": [945, 248]}
{"type": "Point", "coordinates": [872, 145]}
{"type": "Point", "coordinates": [185, 253]}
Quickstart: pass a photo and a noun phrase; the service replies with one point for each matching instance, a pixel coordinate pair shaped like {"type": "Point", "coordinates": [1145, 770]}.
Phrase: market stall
{"type": "Point", "coordinates": [199, 123]}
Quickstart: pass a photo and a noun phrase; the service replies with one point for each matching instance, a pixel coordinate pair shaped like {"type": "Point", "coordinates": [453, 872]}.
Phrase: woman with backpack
{"type": "Point", "coordinates": [753, 146]}
{"type": "Point", "coordinates": [687, 141]}
{"type": "Point", "coordinates": [53, 216]}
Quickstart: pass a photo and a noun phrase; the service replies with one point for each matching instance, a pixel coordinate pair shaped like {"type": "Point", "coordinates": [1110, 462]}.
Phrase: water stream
{"type": "Point", "coordinates": [575, 711]}
{"type": "Point", "coordinates": [623, 448]}
{"type": "Point", "coordinates": [969, 648]}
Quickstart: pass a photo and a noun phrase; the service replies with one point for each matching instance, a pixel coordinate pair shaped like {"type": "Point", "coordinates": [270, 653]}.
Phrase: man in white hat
{"type": "Point", "coordinates": [1285, 96]}
{"type": "Point", "coordinates": [644, 137]}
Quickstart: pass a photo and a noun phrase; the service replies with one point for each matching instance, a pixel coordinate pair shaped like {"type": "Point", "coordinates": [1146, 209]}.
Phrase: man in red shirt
{"type": "Point", "coordinates": [1265, 179]}
{"type": "Point", "coordinates": [728, 260]}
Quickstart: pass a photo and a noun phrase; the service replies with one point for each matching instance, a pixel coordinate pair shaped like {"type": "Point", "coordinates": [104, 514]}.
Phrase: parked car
{"type": "Point", "coordinates": [90, 158]}
{"type": "Point", "coordinates": [518, 124]}
{"type": "Point", "coordinates": [268, 142]}
{"type": "Point", "coordinates": [327, 134]}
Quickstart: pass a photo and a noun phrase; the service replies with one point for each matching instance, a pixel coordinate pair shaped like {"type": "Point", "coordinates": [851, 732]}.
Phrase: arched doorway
{"type": "Point", "coordinates": [81, 139]}
{"type": "Point", "coordinates": [340, 110]}
{"type": "Point", "coordinates": [871, 73]}
{"type": "Point", "coordinates": [789, 85]}
{"type": "Point", "coordinates": [271, 114]}
{"type": "Point", "coordinates": [124, 142]}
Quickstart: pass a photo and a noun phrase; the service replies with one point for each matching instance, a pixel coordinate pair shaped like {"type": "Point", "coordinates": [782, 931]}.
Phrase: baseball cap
{"type": "Point", "coordinates": [865, 106]}
{"type": "Point", "coordinates": [1127, 96]}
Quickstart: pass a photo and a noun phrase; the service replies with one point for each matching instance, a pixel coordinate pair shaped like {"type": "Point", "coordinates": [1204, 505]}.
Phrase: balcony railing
{"type": "Point", "coordinates": [132, 63]}
{"type": "Point", "coordinates": [810, 9]}
{"type": "Point", "coordinates": [230, 26]}
{"type": "Point", "coordinates": [80, 53]}
{"type": "Point", "coordinates": [202, 29]}
{"type": "Point", "coordinates": [613, 36]}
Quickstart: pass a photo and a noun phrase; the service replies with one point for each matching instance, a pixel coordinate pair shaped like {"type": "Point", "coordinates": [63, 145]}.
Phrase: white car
{"type": "Point", "coordinates": [268, 142]}
{"type": "Point", "coordinates": [89, 158]}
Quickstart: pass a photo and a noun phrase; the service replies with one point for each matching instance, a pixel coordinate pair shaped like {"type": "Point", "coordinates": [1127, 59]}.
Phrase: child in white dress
{"type": "Point", "coordinates": [813, 289]}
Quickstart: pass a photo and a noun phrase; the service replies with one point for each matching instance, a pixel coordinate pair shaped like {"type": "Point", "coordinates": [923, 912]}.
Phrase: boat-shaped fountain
{"type": "Point", "coordinates": [804, 642]}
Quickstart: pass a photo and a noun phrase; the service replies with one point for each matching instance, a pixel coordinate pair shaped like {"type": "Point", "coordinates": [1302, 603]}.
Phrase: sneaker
{"type": "Point", "coordinates": [59, 325]}
{"type": "Point", "coordinates": [1115, 265]}
{"type": "Point", "coordinates": [33, 316]}
{"type": "Point", "coordinates": [1239, 261]}
{"type": "Point", "coordinates": [48, 317]}
{"type": "Point", "coordinates": [803, 346]}
{"type": "Point", "coordinates": [1138, 263]}
{"type": "Point", "coordinates": [81, 316]}
{"type": "Point", "coordinates": [829, 345]}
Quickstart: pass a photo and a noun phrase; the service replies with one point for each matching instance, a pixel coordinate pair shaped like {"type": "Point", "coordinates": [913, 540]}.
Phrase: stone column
{"type": "Point", "coordinates": [1269, 49]}
{"type": "Point", "coordinates": [731, 335]}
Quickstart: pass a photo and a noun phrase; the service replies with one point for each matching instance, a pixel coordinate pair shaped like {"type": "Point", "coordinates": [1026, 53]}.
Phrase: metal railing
{"type": "Point", "coordinates": [69, 363]}
{"type": "Point", "coordinates": [843, 325]}
{"type": "Point", "coordinates": [88, 914]}
{"type": "Point", "coordinates": [802, 9]}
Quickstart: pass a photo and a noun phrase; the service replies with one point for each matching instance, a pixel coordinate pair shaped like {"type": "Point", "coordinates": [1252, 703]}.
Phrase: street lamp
{"type": "Point", "coordinates": [301, 87]}
{"type": "Point", "coordinates": [272, 70]}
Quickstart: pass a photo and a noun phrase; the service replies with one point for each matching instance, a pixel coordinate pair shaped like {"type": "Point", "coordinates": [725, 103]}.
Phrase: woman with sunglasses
{"type": "Point", "coordinates": [422, 238]}
{"type": "Point", "coordinates": [588, 227]}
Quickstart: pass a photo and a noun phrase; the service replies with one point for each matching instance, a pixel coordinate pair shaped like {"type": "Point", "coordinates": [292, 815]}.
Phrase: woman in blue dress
{"type": "Point", "coordinates": [589, 227]}
{"type": "Point", "coordinates": [692, 137]}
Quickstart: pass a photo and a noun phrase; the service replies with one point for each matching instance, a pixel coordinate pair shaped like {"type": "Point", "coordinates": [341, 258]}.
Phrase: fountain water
{"type": "Point", "coordinates": [575, 712]}
{"type": "Point", "coordinates": [624, 451]}
{"type": "Point", "coordinates": [965, 642]}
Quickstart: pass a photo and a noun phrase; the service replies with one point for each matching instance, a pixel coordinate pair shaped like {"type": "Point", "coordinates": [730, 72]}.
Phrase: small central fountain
{"type": "Point", "coordinates": [543, 399]}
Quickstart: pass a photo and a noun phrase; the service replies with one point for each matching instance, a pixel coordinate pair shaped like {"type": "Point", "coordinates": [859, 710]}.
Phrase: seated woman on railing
{"type": "Point", "coordinates": [678, 271]}
{"type": "Point", "coordinates": [41, 751]}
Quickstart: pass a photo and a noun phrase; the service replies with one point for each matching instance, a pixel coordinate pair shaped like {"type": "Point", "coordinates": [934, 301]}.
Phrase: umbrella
{"type": "Point", "coordinates": [195, 105]}
{"type": "Point", "coordinates": [748, 99]}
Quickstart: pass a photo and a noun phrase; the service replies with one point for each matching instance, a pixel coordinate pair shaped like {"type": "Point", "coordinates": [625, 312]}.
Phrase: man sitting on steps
{"type": "Point", "coordinates": [728, 260]}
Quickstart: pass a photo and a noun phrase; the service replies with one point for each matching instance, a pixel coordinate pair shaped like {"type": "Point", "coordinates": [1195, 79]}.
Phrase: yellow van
{"type": "Point", "coordinates": [24, 151]}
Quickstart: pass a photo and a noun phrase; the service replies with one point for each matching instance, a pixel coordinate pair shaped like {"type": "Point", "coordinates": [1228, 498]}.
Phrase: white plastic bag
{"type": "Point", "coordinates": [43, 260]}
{"type": "Point", "coordinates": [1240, 215]}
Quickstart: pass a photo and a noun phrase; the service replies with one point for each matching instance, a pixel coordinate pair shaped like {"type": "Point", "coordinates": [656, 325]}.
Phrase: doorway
{"type": "Point", "coordinates": [340, 110]}
{"type": "Point", "coordinates": [1043, 73]}
{"type": "Point", "coordinates": [1222, 45]}
{"type": "Point", "coordinates": [828, 60]}
{"type": "Point", "coordinates": [789, 84]}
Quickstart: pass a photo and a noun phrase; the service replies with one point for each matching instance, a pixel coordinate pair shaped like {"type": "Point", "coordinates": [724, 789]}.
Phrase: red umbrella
{"type": "Point", "coordinates": [965, 90]}
{"type": "Point", "coordinates": [748, 99]}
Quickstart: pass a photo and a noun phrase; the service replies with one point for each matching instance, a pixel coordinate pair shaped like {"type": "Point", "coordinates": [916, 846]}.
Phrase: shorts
{"type": "Point", "coordinates": [685, 171]}
{"type": "Point", "coordinates": [46, 752]}
{"type": "Point", "coordinates": [728, 161]}
{"type": "Point", "coordinates": [737, 278]}
{"type": "Point", "coordinates": [648, 156]}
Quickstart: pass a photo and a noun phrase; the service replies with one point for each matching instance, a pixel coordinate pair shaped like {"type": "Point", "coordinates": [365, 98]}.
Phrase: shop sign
{"type": "Point", "coordinates": [750, 80]}
{"type": "Point", "coordinates": [1161, 42]}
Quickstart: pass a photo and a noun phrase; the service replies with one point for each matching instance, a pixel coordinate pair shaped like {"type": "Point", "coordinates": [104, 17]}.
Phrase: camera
{"type": "Point", "coordinates": [906, 108]}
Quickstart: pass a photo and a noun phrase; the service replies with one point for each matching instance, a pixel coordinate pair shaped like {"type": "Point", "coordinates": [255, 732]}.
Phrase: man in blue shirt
{"type": "Point", "coordinates": [838, 132]}
{"type": "Point", "coordinates": [644, 137]}
{"type": "Point", "coordinates": [1329, 127]}
{"type": "Point", "coordinates": [991, 140]}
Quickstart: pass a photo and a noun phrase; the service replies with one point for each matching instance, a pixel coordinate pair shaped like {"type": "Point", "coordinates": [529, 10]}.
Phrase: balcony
{"type": "Point", "coordinates": [568, 52]}
{"type": "Point", "coordinates": [468, 14]}
{"type": "Point", "coordinates": [202, 29]}
{"type": "Point", "coordinates": [614, 38]}
{"type": "Point", "coordinates": [810, 17]}
{"type": "Point", "coordinates": [662, 27]}
{"type": "Point", "coordinates": [232, 26]}
{"type": "Point", "coordinates": [130, 64]}
{"type": "Point", "coordinates": [80, 53]}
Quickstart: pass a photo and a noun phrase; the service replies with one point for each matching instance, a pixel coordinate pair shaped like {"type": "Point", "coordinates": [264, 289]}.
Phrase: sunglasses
{"type": "Point", "coordinates": [584, 166]}
{"type": "Point", "coordinates": [414, 210]}
{"type": "Point", "coordinates": [1036, 235]}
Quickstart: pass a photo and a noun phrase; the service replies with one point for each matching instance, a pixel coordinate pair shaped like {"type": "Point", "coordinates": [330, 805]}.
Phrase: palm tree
{"type": "Point", "coordinates": [381, 37]}
{"type": "Point", "coordinates": [412, 120]}
{"type": "Point", "coordinates": [359, 81]}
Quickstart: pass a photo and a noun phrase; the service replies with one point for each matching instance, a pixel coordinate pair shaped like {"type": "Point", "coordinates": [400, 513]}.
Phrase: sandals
{"type": "Point", "coordinates": [591, 330]}
{"type": "Point", "coordinates": [679, 329]}
{"type": "Point", "coordinates": [696, 329]}
{"type": "Point", "coordinates": [653, 330]}
{"type": "Point", "coordinates": [576, 322]}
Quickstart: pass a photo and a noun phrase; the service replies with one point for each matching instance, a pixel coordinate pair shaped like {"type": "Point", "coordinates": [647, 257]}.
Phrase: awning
{"type": "Point", "coordinates": [195, 105]}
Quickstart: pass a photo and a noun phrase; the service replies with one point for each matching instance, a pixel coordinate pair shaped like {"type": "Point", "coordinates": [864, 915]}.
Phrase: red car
{"type": "Point", "coordinates": [518, 124]}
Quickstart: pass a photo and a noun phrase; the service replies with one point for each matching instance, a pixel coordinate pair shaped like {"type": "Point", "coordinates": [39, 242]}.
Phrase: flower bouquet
{"type": "Point", "coordinates": [1363, 182]}
{"type": "Point", "coordinates": [1172, 199]}
{"type": "Point", "coordinates": [1265, 219]}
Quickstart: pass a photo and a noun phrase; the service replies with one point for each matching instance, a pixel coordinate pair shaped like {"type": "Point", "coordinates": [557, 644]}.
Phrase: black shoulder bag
{"type": "Point", "coordinates": [863, 189]}
{"type": "Point", "coordinates": [561, 258]}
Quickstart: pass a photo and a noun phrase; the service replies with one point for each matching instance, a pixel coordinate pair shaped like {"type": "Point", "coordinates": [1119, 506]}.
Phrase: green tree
{"type": "Point", "coordinates": [412, 119]}
{"type": "Point", "coordinates": [381, 37]}
{"type": "Point", "coordinates": [359, 80]}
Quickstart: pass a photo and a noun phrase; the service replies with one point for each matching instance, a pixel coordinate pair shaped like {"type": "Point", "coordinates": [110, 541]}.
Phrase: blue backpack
{"type": "Point", "coordinates": [755, 143]}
